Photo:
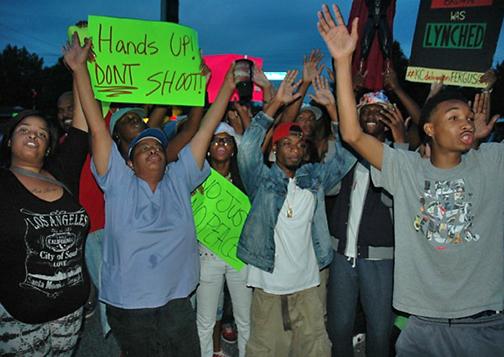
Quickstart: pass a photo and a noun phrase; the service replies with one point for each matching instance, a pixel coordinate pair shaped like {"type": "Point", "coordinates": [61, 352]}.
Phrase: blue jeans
{"type": "Point", "coordinates": [372, 280]}
{"type": "Point", "coordinates": [94, 244]}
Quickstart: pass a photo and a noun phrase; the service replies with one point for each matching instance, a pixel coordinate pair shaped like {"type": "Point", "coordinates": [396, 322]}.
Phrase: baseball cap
{"type": "Point", "coordinates": [149, 133]}
{"type": "Point", "coordinates": [377, 97]}
{"type": "Point", "coordinates": [119, 114]}
{"type": "Point", "coordinates": [285, 129]}
{"type": "Point", "coordinates": [225, 128]}
{"type": "Point", "coordinates": [315, 110]}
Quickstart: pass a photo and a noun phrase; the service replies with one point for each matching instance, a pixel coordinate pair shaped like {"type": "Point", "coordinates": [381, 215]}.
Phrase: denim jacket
{"type": "Point", "coordinates": [267, 189]}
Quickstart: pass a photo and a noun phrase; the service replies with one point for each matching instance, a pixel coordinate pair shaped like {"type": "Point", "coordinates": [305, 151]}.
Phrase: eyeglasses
{"type": "Point", "coordinates": [226, 141]}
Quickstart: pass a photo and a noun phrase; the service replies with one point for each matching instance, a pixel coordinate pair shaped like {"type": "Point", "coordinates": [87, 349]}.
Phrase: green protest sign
{"type": "Point", "coordinates": [141, 61]}
{"type": "Point", "coordinates": [220, 210]}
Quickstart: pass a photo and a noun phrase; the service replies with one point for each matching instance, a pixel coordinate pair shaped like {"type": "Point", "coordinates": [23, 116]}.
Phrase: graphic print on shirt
{"type": "Point", "coordinates": [445, 216]}
{"type": "Point", "coordinates": [53, 257]}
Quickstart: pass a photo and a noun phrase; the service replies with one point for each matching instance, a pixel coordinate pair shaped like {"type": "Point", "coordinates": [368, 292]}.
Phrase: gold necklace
{"type": "Point", "coordinates": [290, 211]}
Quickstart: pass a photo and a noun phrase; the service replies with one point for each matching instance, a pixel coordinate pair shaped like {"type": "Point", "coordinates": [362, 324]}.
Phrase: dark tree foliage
{"type": "Point", "coordinates": [26, 83]}
{"type": "Point", "coordinates": [55, 80]}
{"type": "Point", "coordinates": [20, 75]}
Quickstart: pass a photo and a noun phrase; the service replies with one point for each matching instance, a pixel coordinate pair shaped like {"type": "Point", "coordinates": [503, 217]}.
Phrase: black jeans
{"type": "Point", "coordinates": [169, 330]}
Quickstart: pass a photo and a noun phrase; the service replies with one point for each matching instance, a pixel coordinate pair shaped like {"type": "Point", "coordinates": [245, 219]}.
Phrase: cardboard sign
{"type": "Point", "coordinates": [219, 65]}
{"type": "Point", "coordinates": [220, 210]}
{"type": "Point", "coordinates": [141, 61]}
{"type": "Point", "coordinates": [448, 4]}
{"type": "Point", "coordinates": [454, 40]}
{"type": "Point", "coordinates": [449, 77]}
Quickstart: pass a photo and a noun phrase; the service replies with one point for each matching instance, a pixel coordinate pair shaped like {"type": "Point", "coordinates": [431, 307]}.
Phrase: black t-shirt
{"type": "Point", "coordinates": [43, 274]}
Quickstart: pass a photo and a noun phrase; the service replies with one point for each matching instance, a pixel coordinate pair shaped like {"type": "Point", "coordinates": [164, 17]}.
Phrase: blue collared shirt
{"type": "Point", "coordinates": [150, 253]}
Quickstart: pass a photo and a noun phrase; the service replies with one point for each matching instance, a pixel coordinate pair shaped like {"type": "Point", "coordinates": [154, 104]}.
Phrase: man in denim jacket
{"type": "Point", "coordinates": [285, 239]}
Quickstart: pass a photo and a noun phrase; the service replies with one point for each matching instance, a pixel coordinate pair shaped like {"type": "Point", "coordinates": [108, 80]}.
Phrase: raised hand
{"type": "Point", "coordinates": [330, 73]}
{"type": "Point", "coordinates": [74, 54]}
{"type": "Point", "coordinates": [242, 110]}
{"type": "Point", "coordinates": [358, 78]}
{"type": "Point", "coordinates": [390, 80]}
{"type": "Point", "coordinates": [311, 66]}
{"type": "Point", "coordinates": [489, 77]}
{"type": "Point", "coordinates": [323, 94]}
{"type": "Point", "coordinates": [235, 121]}
{"type": "Point", "coordinates": [287, 91]}
{"type": "Point", "coordinates": [483, 125]}
{"type": "Point", "coordinates": [229, 79]}
{"type": "Point", "coordinates": [394, 120]}
{"type": "Point", "coordinates": [205, 71]}
{"type": "Point", "coordinates": [435, 88]}
{"type": "Point", "coordinates": [260, 78]}
{"type": "Point", "coordinates": [340, 43]}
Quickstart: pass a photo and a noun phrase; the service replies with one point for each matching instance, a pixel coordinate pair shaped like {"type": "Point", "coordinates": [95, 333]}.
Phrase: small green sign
{"type": "Point", "coordinates": [141, 61]}
{"type": "Point", "coordinates": [220, 210]}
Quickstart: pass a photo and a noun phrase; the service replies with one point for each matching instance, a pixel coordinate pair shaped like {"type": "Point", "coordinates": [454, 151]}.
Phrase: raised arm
{"type": "Point", "coordinates": [286, 94]}
{"type": "Point", "coordinates": [101, 142]}
{"type": "Point", "coordinates": [311, 69]}
{"type": "Point", "coordinates": [200, 141]}
{"type": "Point", "coordinates": [394, 120]}
{"type": "Point", "coordinates": [392, 84]}
{"type": "Point", "coordinates": [324, 96]}
{"type": "Point", "coordinates": [244, 114]}
{"type": "Point", "coordinates": [235, 121]}
{"type": "Point", "coordinates": [157, 116]}
{"type": "Point", "coordinates": [263, 82]}
{"type": "Point", "coordinates": [483, 125]}
{"type": "Point", "coordinates": [185, 135]}
{"type": "Point", "coordinates": [341, 46]}
{"type": "Point", "coordinates": [79, 120]}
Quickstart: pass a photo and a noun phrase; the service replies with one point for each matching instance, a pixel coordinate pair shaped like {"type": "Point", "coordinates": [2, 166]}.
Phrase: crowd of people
{"type": "Point", "coordinates": [353, 209]}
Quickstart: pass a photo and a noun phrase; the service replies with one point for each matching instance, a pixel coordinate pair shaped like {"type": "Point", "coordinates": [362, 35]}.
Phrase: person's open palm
{"type": "Point", "coordinates": [287, 91]}
{"type": "Point", "coordinates": [339, 41]}
{"type": "Point", "coordinates": [311, 65]}
{"type": "Point", "coordinates": [74, 54]}
{"type": "Point", "coordinates": [323, 94]}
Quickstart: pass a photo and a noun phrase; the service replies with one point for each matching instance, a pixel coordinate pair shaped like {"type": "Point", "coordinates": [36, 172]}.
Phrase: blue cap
{"type": "Point", "coordinates": [118, 114]}
{"type": "Point", "coordinates": [149, 133]}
